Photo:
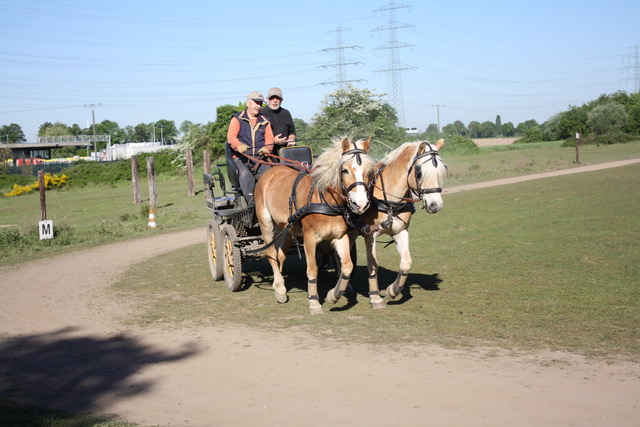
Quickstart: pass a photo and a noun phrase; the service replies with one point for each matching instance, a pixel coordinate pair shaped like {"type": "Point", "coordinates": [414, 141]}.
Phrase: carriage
{"type": "Point", "coordinates": [345, 183]}
{"type": "Point", "coordinates": [233, 233]}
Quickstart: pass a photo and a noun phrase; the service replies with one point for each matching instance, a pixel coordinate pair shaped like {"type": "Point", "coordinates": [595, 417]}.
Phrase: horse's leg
{"type": "Point", "coordinates": [402, 242]}
{"type": "Point", "coordinates": [268, 229]}
{"type": "Point", "coordinates": [342, 247]}
{"type": "Point", "coordinates": [375, 299]}
{"type": "Point", "coordinates": [312, 274]}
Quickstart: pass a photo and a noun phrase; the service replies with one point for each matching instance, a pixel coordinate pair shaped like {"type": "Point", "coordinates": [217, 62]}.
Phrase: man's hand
{"type": "Point", "coordinates": [290, 143]}
{"type": "Point", "coordinates": [242, 148]}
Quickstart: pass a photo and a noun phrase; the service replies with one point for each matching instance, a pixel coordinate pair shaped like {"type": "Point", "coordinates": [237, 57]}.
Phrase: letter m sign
{"type": "Point", "coordinates": [46, 229]}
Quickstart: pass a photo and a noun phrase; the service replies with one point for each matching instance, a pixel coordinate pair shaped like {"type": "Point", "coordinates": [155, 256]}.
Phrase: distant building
{"type": "Point", "coordinates": [411, 130]}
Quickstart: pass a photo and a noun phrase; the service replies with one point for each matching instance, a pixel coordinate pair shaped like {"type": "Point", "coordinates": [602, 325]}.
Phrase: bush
{"type": "Point", "coordinates": [49, 182]}
{"type": "Point", "coordinates": [606, 139]}
{"type": "Point", "coordinates": [8, 181]}
{"type": "Point", "coordinates": [458, 144]}
{"type": "Point", "coordinates": [83, 172]}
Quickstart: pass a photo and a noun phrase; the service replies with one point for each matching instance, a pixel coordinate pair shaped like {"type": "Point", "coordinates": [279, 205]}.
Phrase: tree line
{"type": "Point", "coordinates": [362, 113]}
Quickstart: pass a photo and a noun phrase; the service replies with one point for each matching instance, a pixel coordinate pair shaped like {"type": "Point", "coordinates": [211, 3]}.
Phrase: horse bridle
{"type": "Point", "coordinates": [356, 152]}
{"type": "Point", "coordinates": [418, 172]}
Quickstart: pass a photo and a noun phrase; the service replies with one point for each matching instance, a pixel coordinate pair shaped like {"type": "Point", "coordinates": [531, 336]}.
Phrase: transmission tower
{"type": "Point", "coordinates": [340, 64]}
{"type": "Point", "coordinates": [633, 68]}
{"type": "Point", "coordinates": [394, 68]}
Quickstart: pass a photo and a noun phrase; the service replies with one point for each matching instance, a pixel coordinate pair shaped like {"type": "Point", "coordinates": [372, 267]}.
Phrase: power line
{"type": "Point", "coordinates": [634, 68]}
{"type": "Point", "coordinates": [340, 64]}
{"type": "Point", "coordinates": [393, 46]}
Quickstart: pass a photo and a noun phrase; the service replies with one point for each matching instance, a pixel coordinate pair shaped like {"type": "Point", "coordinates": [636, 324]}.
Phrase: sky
{"type": "Point", "coordinates": [143, 61]}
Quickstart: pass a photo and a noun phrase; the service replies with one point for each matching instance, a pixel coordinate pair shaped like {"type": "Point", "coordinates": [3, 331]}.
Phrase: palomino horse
{"type": "Point", "coordinates": [412, 172]}
{"type": "Point", "coordinates": [315, 206]}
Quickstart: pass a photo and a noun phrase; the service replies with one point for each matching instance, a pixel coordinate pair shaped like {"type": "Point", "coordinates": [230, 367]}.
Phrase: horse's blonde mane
{"type": "Point", "coordinates": [327, 168]}
{"type": "Point", "coordinates": [395, 154]}
{"type": "Point", "coordinates": [392, 156]}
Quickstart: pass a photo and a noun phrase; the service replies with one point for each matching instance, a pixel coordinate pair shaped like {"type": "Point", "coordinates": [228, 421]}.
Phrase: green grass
{"type": "Point", "coordinates": [542, 265]}
{"type": "Point", "coordinates": [95, 215]}
{"type": "Point", "coordinates": [550, 264]}
{"type": "Point", "coordinates": [98, 214]}
{"type": "Point", "coordinates": [521, 159]}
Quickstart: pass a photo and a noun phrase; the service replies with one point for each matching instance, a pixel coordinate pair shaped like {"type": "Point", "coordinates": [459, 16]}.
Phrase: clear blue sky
{"type": "Point", "coordinates": [149, 60]}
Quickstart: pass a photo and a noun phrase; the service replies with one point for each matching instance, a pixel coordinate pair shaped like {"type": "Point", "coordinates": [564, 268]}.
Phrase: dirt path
{"type": "Point", "coordinates": [62, 346]}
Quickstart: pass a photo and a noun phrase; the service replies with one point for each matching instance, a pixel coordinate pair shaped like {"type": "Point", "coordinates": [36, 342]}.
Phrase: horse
{"type": "Point", "coordinates": [316, 206]}
{"type": "Point", "coordinates": [412, 172]}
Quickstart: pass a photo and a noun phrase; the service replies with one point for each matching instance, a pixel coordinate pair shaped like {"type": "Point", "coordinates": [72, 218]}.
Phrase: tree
{"type": "Point", "coordinates": [432, 128]}
{"type": "Point", "coordinates": [508, 129]}
{"type": "Point", "coordinates": [166, 130]}
{"type": "Point", "coordinates": [455, 128]}
{"type": "Point", "coordinates": [185, 126]}
{"type": "Point", "coordinates": [218, 129]}
{"type": "Point", "coordinates": [565, 124]}
{"type": "Point", "coordinates": [605, 118]}
{"type": "Point", "coordinates": [359, 113]}
{"type": "Point", "coordinates": [141, 133]}
{"type": "Point", "coordinates": [523, 127]}
{"type": "Point", "coordinates": [11, 134]}
{"type": "Point", "coordinates": [108, 127]}
{"type": "Point", "coordinates": [301, 128]}
{"type": "Point", "coordinates": [498, 125]}
{"type": "Point", "coordinates": [55, 129]}
{"type": "Point", "coordinates": [488, 130]}
{"type": "Point", "coordinates": [633, 110]}
{"type": "Point", "coordinates": [473, 130]}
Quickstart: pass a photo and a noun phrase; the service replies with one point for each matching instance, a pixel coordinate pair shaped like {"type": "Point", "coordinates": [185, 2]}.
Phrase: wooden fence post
{"type": "Point", "coordinates": [135, 179]}
{"type": "Point", "coordinates": [153, 189]}
{"type": "Point", "coordinates": [206, 166]}
{"type": "Point", "coordinates": [192, 191]}
{"type": "Point", "coordinates": [43, 200]}
{"type": "Point", "coordinates": [206, 161]}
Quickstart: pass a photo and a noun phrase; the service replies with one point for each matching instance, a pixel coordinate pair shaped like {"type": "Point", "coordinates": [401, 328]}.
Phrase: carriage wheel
{"type": "Point", "coordinates": [232, 259]}
{"type": "Point", "coordinates": [215, 250]}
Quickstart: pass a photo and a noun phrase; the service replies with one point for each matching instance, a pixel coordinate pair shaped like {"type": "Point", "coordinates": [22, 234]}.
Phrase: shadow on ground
{"type": "Point", "coordinates": [63, 370]}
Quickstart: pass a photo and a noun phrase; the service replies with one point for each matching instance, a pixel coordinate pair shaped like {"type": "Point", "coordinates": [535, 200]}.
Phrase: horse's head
{"type": "Point", "coordinates": [428, 177]}
{"type": "Point", "coordinates": [355, 170]}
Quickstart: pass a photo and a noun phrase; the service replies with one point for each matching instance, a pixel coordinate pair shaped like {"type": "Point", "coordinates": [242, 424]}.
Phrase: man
{"type": "Point", "coordinates": [281, 121]}
{"type": "Point", "coordinates": [250, 134]}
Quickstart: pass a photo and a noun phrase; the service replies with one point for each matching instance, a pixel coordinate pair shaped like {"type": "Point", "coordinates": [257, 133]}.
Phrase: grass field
{"type": "Point", "coordinates": [541, 265]}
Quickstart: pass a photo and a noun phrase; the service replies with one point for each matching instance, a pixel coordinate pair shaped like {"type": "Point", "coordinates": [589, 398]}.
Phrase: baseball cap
{"type": "Point", "coordinates": [275, 91]}
{"type": "Point", "coordinates": [256, 96]}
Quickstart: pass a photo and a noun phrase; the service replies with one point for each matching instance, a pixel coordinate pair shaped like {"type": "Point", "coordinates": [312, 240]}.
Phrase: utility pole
{"type": "Point", "coordinates": [93, 115]}
{"type": "Point", "coordinates": [393, 46]}
{"type": "Point", "coordinates": [438, 113]}
{"type": "Point", "coordinates": [340, 64]}
{"type": "Point", "coordinates": [634, 69]}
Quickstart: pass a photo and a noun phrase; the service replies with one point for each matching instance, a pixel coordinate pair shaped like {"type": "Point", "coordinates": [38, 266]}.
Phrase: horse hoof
{"type": "Point", "coordinates": [378, 303]}
{"type": "Point", "coordinates": [281, 297]}
{"type": "Point", "coordinates": [331, 297]}
{"type": "Point", "coordinates": [315, 308]}
{"type": "Point", "coordinates": [390, 293]}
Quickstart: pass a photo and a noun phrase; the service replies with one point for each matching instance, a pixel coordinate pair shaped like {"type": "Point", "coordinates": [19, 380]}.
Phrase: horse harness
{"type": "Point", "coordinates": [405, 204]}
{"type": "Point", "coordinates": [324, 207]}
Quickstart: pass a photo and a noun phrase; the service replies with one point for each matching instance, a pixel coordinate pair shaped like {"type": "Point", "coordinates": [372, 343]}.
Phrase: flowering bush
{"type": "Point", "coordinates": [50, 181]}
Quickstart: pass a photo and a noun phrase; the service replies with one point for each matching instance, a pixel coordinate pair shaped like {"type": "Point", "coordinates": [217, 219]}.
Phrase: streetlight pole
{"type": "Point", "coordinates": [438, 112]}
{"type": "Point", "coordinates": [93, 116]}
